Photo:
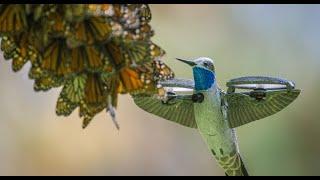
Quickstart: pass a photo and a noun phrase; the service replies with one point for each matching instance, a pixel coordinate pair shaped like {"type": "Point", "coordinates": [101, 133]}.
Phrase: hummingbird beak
{"type": "Point", "coordinates": [190, 63]}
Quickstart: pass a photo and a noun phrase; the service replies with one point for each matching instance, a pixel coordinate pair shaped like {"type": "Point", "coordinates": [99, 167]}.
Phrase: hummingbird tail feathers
{"type": "Point", "coordinates": [244, 169]}
{"type": "Point", "coordinates": [233, 165]}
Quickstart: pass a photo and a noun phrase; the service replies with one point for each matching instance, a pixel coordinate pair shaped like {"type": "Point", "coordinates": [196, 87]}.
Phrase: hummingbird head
{"type": "Point", "coordinates": [203, 62]}
{"type": "Point", "coordinates": [203, 72]}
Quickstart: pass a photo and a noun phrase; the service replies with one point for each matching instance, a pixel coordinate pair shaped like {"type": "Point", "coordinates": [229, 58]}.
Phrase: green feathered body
{"type": "Point", "coordinates": [220, 138]}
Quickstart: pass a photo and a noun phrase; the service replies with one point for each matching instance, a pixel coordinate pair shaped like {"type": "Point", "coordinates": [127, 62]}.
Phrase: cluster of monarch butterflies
{"type": "Point", "coordinates": [93, 51]}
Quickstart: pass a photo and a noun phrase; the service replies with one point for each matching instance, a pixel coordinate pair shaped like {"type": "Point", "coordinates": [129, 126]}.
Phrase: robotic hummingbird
{"type": "Point", "coordinates": [201, 104]}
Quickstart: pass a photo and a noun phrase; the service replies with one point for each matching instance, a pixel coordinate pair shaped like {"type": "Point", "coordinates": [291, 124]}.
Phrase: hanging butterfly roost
{"type": "Point", "coordinates": [94, 51]}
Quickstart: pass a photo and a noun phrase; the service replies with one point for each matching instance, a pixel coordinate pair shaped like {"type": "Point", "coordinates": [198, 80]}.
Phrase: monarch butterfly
{"type": "Point", "coordinates": [141, 33]}
{"type": "Point", "coordinates": [136, 52]}
{"type": "Point", "coordinates": [95, 51]}
{"type": "Point", "coordinates": [36, 72]}
{"type": "Point", "coordinates": [145, 13]}
{"type": "Point", "coordinates": [115, 52]}
{"type": "Point", "coordinates": [89, 111]}
{"type": "Point", "coordinates": [162, 71]}
{"type": "Point", "coordinates": [56, 25]}
{"type": "Point", "coordinates": [12, 19]}
{"type": "Point", "coordinates": [8, 46]}
{"type": "Point", "coordinates": [88, 58]}
{"type": "Point", "coordinates": [131, 16]}
{"type": "Point", "coordinates": [74, 88]}
{"type": "Point", "coordinates": [23, 51]}
{"type": "Point", "coordinates": [132, 52]}
{"type": "Point", "coordinates": [95, 90]}
{"type": "Point", "coordinates": [95, 100]}
{"type": "Point", "coordinates": [90, 31]}
{"type": "Point", "coordinates": [152, 72]}
{"type": "Point", "coordinates": [129, 81]}
{"type": "Point", "coordinates": [16, 47]}
{"type": "Point", "coordinates": [85, 91]}
{"type": "Point", "coordinates": [64, 106]}
{"type": "Point", "coordinates": [143, 78]}
{"type": "Point", "coordinates": [47, 81]}
{"type": "Point", "coordinates": [99, 91]}
{"type": "Point", "coordinates": [91, 93]}
{"type": "Point", "coordinates": [71, 95]}
{"type": "Point", "coordinates": [56, 58]}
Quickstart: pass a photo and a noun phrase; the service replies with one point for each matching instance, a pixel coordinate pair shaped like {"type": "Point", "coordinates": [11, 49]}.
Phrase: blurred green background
{"type": "Point", "coordinates": [272, 40]}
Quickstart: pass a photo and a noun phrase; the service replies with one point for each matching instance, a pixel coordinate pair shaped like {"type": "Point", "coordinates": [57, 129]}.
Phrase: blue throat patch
{"type": "Point", "coordinates": [203, 78]}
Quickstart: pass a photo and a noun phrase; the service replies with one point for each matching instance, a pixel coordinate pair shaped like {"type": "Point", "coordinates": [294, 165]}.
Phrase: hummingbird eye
{"type": "Point", "coordinates": [208, 65]}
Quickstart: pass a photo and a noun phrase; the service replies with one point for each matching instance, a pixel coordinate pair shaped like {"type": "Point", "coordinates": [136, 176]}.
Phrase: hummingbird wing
{"type": "Point", "coordinates": [177, 82]}
{"type": "Point", "coordinates": [178, 109]}
{"type": "Point", "coordinates": [267, 97]}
